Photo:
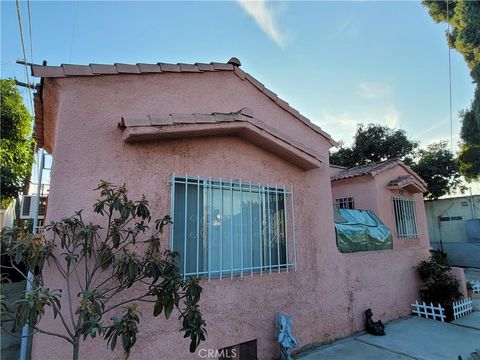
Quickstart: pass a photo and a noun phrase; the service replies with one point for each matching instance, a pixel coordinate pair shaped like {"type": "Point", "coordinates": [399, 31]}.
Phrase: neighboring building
{"type": "Point", "coordinates": [247, 181]}
{"type": "Point", "coordinates": [27, 209]}
{"type": "Point", "coordinates": [7, 216]}
{"type": "Point", "coordinates": [454, 227]}
{"type": "Point", "coordinates": [391, 190]}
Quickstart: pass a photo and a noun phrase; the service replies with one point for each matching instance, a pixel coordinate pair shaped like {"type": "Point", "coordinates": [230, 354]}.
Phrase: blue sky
{"type": "Point", "coordinates": [338, 63]}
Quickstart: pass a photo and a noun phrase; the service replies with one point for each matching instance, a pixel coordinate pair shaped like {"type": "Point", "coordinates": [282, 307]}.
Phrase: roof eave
{"type": "Point", "coordinates": [245, 130]}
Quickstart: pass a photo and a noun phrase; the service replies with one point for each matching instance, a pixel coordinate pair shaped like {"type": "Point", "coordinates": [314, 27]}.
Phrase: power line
{"type": "Point", "coordinates": [30, 30]}
{"type": "Point", "coordinates": [24, 53]}
{"type": "Point", "coordinates": [449, 76]}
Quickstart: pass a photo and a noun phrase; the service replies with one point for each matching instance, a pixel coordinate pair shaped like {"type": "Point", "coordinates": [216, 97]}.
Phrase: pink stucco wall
{"type": "Point", "coordinates": [329, 291]}
{"type": "Point", "coordinates": [381, 273]}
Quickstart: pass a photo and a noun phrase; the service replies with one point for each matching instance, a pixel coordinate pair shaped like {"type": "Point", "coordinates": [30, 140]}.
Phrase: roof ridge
{"type": "Point", "coordinates": [374, 169]}
{"type": "Point", "coordinates": [93, 69]}
{"type": "Point", "coordinates": [242, 115]}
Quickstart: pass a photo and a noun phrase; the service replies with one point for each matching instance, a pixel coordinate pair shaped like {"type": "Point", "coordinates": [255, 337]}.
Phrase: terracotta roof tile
{"type": "Point", "coordinates": [294, 112]}
{"type": "Point", "coordinates": [102, 69]}
{"type": "Point", "coordinates": [232, 65]}
{"type": "Point", "coordinates": [127, 68]}
{"type": "Point", "coordinates": [255, 82]}
{"type": "Point", "coordinates": [247, 112]}
{"type": "Point", "coordinates": [135, 121]}
{"type": "Point", "coordinates": [170, 67]}
{"type": "Point", "coordinates": [283, 104]}
{"type": "Point", "coordinates": [159, 120]}
{"type": "Point", "coordinates": [270, 94]}
{"type": "Point", "coordinates": [361, 170]}
{"type": "Point", "coordinates": [374, 169]}
{"type": "Point", "coordinates": [399, 180]}
{"type": "Point", "coordinates": [205, 67]}
{"type": "Point", "coordinates": [240, 73]}
{"type": "Point", "coordinates": [189, 68]}
{"type": "Point", "coordinates": [47, 71]}
{"type": "Point", "coordinates": [234, 61]}
{"type": "Point", "coordinates": [258, 123]}
{"type": "Point", "coordinates": [217, 117]}
{"type": "Point", "coordinates": [149, 68]}
{"type": "Point", "coordinates": [204, 118]}
{"type": "Point", "coordinates": [183, 118]}
{"type": "Point", "coordinates": [222, 66]}
{"type": "Point", "coordinates": [222, 117]}
{"type": "Point", "coordinates": [79, 70]}
{"type": "Point", "coordinates": [239, 117]}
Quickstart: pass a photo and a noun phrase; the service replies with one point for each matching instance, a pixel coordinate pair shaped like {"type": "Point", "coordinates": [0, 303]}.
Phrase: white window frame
{"type": "Point", "coordinates": [345, 203]}
{"type": "Point", "coordinates": [405, 215]}
{"type": "Point", "coordinates": [205, 229]}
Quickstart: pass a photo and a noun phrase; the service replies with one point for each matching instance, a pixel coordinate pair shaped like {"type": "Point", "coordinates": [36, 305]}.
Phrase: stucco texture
{"type": "Point", "coordinates": [328, 293]}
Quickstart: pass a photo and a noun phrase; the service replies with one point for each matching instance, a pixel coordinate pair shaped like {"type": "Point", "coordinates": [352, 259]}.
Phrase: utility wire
{"type": "Point", "coordinates": [24, 53]}
{"type": "Point", "coordinates": [30, 30]}
{"type": "Point", "coordinates": [449, 76]}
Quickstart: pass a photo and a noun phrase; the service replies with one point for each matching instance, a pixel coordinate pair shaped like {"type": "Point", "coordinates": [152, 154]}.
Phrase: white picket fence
{"type": "Point", "coordinates": [429, 311]}
{"type": "Point", "coordinates": [476, 287]}
{"type": "Point", "coordinates": [462, 307]}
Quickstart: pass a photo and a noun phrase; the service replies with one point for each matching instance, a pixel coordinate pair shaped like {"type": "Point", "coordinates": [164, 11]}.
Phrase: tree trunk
{"type": "Point", "coordinates": [76, 349]}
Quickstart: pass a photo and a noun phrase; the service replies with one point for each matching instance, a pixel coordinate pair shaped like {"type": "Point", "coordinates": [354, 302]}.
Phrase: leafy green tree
{"type": "Point", "coordinates": [437, 167]}
{"type": "Point", "coordinates": [464, 18]}
{"type": "Point", "coordinates": [469, 159]}
{"type": "Point", "coordinates": [373, 143]}
{"type": "Point", "coordinates": [376, 143]}
{"type": "Point", "coordinates": [103, 262]}
{"type": "Point", "coordinates": [16, 143]}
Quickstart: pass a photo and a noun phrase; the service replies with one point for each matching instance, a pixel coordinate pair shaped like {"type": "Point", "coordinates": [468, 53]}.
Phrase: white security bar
{"type": "Point", "coordinates": [231, 227]}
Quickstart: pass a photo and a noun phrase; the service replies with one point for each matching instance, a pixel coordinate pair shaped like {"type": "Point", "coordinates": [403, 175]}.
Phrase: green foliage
{"type": "Point", "coordinates": [439, 286]}
{"type": "Point", "coordinates": [372, 143]}
{"type": "Point", "coordinates": [469, 160]}
{"type": "Point", "coordinates": [102, 261]}
{"type": "Point", "coordinates": [437, 167]}
{"type": "Point", "coordinates": [126, 328]}
{"type": "Point", "coordinates": [464, 18]}
{"type": "Point", "coordinates": [16, 143]}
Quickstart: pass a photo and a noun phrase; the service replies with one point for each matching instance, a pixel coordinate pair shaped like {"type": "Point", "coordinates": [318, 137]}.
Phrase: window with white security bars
{"type": "Point", "coordinates": [224, 228]}
{"type": "Point", "coordinates": [345, 203]}
{"type": "Point", "coordinates": [405, 217]}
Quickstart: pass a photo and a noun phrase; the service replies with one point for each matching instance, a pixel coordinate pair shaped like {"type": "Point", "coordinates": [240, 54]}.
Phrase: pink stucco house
{"type": "Point", "coordinates": [390, 189]}
{"type": "Point", "coordinates": [247, 181]}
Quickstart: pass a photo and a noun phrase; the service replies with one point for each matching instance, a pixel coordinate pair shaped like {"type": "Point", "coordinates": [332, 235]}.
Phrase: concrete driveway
{"type": "Point", "coordinates": [409, 338]}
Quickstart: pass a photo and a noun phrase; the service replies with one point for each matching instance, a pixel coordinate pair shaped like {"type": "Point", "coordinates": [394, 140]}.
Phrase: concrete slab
{"type": "Point", "coordinates": [471, 320]}
{"type": "Point", "coordinates": [353, 350]}
{"type": "Point", "coordinates": [426, 339]}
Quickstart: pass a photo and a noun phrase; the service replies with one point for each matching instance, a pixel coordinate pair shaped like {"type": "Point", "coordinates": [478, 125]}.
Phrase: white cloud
{"type": "Point", "coordinates": [371, 90]}
{"type": "Point", "coordinates": [265, 18]}
{"type": "Point", "coordinates": [343, 126]}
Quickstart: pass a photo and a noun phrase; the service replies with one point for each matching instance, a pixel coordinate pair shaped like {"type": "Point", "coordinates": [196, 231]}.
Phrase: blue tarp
{"type": "Point", "coordinates": [360, 230]}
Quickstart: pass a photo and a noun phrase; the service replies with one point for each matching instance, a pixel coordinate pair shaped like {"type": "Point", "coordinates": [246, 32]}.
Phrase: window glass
{"type": "Point", "coordinates": [222, 228]}
{"type": "Point", "coordinates": [345, 203]}
{"type": "Point", "coordinates": [405, 217]}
